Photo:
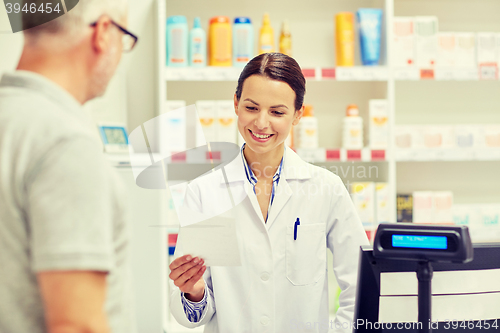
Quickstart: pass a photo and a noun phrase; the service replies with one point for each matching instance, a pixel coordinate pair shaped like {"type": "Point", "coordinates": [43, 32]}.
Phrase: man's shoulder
{"type": "Point", "coordinates": [33, 115]}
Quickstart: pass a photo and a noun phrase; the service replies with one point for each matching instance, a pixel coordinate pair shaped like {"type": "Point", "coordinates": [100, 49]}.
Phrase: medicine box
{"type": "Point", "coordinates": [403, 45]}
{"type": "Point", "coordinates": [363, 197]}
{"type": "Point", "coordinates": [378, 124]}
{"type": "Point", "coordinates": [447, 49]}
{"type": "Point", "coordinates": [466, 49]}
{"type": "Point", "coordinates": [426, 30]}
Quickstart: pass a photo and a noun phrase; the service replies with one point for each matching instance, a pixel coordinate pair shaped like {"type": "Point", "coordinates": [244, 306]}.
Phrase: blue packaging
{"type": "Point", "coordinates": [242, 41]}
{"type": "Point", "coordinates": [370, 34]}
{"type": "Point", "coordinates": [177, 41]}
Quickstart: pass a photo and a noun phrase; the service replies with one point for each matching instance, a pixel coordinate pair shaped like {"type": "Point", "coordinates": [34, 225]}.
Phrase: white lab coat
{"type": "Point", "coordinates": [282, 283]}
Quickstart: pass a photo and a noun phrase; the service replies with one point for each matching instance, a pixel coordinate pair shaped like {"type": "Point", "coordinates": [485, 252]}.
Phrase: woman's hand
{"type": "Point", "coordinates": [187, 272]}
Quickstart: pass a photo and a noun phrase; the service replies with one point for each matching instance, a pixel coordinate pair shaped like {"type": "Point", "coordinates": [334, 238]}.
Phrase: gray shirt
{"type": "Point", "coordinates": [60, 204]}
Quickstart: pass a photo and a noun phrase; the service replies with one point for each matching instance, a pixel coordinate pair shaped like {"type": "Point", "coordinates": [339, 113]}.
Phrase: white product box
{"type": "Point", "coordinates": [423, 207]}
{"type": "Point", "coordinates": [172, 128]}
{"type": "Point", "coordinates": [465, 135]}
{"type": "Point", "coordinates": [378, 124]}
{"type": "Point", "coordinates": [226, 122]}
{"type": "Point", "coordinates": [498, 48]}
{"type": "Point", "coordinates": [363, 197]}
{"type": "Point", "coordinates": [403, 137]}
{"type": "Point", "coordinates": [492, 136]}
{"type": "Point", "coordinates": [468, 215]}
{"type": "Point", "coordinates": [486, 48]}
{"type": "Point", "coordinates": [438, 136]}
{"type": "Point", "coordinates": [382, 203]}
{"type": "Point", "coordinates": [489, 226]}
{"type": "Point", "coordinates": [426, 29]}
{"type": "Point", "coordinates": [403, 45]}
{"type": "Point", "coordinates": [443, 202]}
{"type": "Point", "coordinates": [466, 49]}
{"type": "Point", "coordinates": [447, 49]}
{"type": "Point", "coordinates": [207, 115]}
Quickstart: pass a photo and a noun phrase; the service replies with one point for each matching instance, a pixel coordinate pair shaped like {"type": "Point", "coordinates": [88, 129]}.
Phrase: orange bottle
{"type": "Point", "coordinates": [344, 38]}
{"type": "Point", "coordinates": [220, 41]}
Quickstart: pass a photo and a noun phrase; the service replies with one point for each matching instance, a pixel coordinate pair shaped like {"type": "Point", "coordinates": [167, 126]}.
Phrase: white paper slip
{"type": "Point", "coordinates": [214, 240]}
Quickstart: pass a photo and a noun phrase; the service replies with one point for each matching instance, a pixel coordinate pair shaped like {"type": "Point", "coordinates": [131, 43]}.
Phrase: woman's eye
{"type": "Point", "coordinates": [278, 113]}
{"type": "Point", "coordinates": [251, 108]}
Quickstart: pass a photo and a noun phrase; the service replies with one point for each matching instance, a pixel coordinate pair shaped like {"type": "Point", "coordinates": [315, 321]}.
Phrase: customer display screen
{"type": "Point", "coordinates": [115, 135]}
{"type": "Point", "coordinates": [420, 242]}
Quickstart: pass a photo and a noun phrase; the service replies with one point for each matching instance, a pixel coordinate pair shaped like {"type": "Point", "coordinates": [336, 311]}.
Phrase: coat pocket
{"type": "Point", "coordinates": [306, 255]}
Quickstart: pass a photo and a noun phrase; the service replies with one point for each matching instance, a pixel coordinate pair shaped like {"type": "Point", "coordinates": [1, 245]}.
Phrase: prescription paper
{"type": "Point", "coordinates": [214, 240]}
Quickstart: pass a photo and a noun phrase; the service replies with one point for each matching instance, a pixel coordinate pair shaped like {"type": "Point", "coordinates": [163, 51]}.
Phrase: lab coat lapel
{"type": "Point", "coordinates": [294, 168]}
{"type": "Point", "coordinates": [253, 200]}
{"type": "Point", "coordinates": [281, 197]}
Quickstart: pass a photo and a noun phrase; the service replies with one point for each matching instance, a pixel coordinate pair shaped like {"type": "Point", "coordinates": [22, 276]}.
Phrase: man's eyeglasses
{"type": "Point", "coordinates": [128, 40]}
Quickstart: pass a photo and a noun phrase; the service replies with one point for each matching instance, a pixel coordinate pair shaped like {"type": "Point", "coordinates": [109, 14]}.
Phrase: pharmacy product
{"type": "Point", "coordinates": [492, 136]}
{"type": "Point", "coordinates": [370, 35]}
{"type": "Point", "coordinates": [172, 128]}
{"type": "Point", "coordinates": [403, 138]}
{"type": "Point", "coordinates": [489, 226]}
{"type": "Point", "coordinates": [286, 39]}
{"type": "Point", "coordinates": [447, 49]}
{"type": "Point", "coordinates": [207, 115]}
{"type": "Point", "coordinates": [404, 205]}
{"type": "Point", "coordinates": [464, 136]}
{"type": "Point", "coordinates": [344, 39]}
{"type": "Point", "coordinates": [242, 41]}
{"type": "Point", "coordinates": [466, 49]}
{"type": "Point", "coordinates": [379, 124]}
{"type": "Point", "coordinates": [486, 48]}
{"type": "Point", "coordinates": [306, 131]}
{"type": "Point", "coordinates": [426, 29]}
{"type": "Point", "coordinates": [382, 203]}
{"type": "Point", "coordinates": [498, 48]}
{"type": "Point", "coordinates": [219, 41]}
{"type": "Point", "coordinates": [197, 45]}
{"type": "Point", "coordinates": [177, 41]}
{"type": "Point", "coordinates": [363, 197]}
{"type": "Point", "coordinates": [443, 202]}
{"type": "Point", "coordinates": [439, 136]}
{"type": "Point", "coordinates": [423, 207]}
{"type": "Point", "coordinates": [226, 122]}
{"type": "Point", "coordinates": [403, 44]}
{"type": "Point", "coordinates": [352, 134]}
{"type": "Point", "coordinates": [266, 36]}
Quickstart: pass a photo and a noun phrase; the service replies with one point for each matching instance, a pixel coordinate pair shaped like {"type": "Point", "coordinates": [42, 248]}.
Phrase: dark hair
{"type": "Point", "coordinates": [276, 66]}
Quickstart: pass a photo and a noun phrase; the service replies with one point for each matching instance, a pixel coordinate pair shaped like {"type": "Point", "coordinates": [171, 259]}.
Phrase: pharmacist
{"type": "Point", "coordinates": [287, 213]}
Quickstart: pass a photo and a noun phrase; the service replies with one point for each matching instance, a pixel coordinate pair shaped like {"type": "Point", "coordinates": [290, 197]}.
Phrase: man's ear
{"type": "Point", "coordinates": [298, 114]}
{"type": "Point", "coordinates": [236, 104]}
{"type": "Point", "coordinates": [101, 37]}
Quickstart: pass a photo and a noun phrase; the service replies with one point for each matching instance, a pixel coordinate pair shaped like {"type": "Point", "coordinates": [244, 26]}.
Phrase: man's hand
{"type": "Point", "coordinates": [187, 272]}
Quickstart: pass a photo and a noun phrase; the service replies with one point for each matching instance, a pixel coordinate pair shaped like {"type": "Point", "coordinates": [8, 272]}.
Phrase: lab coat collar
{"type": "Point", "coordinates": [293, 168]}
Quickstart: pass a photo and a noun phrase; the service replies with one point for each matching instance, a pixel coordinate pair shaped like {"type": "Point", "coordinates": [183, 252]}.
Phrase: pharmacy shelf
{"type": "Point", "coordinates": [356, 73]}
{"type": "Point", "coordinates": [443, 154]}
{"type": "Point", "coordinates": [321, 155]}
{"type": "Point", "coordinates": [489, 73]}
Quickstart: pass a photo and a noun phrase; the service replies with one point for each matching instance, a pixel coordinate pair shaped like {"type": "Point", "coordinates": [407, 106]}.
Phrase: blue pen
{"type": "Point", "coordinates": [295, 229]}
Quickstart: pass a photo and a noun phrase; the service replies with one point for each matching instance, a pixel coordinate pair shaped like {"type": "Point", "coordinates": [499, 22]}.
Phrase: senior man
{"type": "Point", "coordinates": [63, 231]}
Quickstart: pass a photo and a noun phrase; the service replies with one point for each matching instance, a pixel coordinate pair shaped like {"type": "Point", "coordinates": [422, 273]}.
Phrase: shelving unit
{"type": "Point", "coordinates": [415, 95]}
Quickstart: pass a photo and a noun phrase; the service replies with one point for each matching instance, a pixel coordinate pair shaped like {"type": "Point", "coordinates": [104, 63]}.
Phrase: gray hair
{"type": "Point", "coordinates": [71, 25]}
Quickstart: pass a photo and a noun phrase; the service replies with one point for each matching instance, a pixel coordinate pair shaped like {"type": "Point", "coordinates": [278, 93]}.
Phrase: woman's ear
{"type": "Point", "coordinates": [298, 114]}
{"type": "Point", "coordinates": [235, 104]}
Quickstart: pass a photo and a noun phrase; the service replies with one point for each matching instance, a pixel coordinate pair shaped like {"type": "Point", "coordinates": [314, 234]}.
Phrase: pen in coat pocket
{"type": "Point", "coordinates": [297, 223]}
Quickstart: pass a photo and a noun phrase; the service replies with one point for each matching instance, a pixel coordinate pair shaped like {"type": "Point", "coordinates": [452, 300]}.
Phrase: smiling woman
{"type": "Point", "coordinates": [288, 213]}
